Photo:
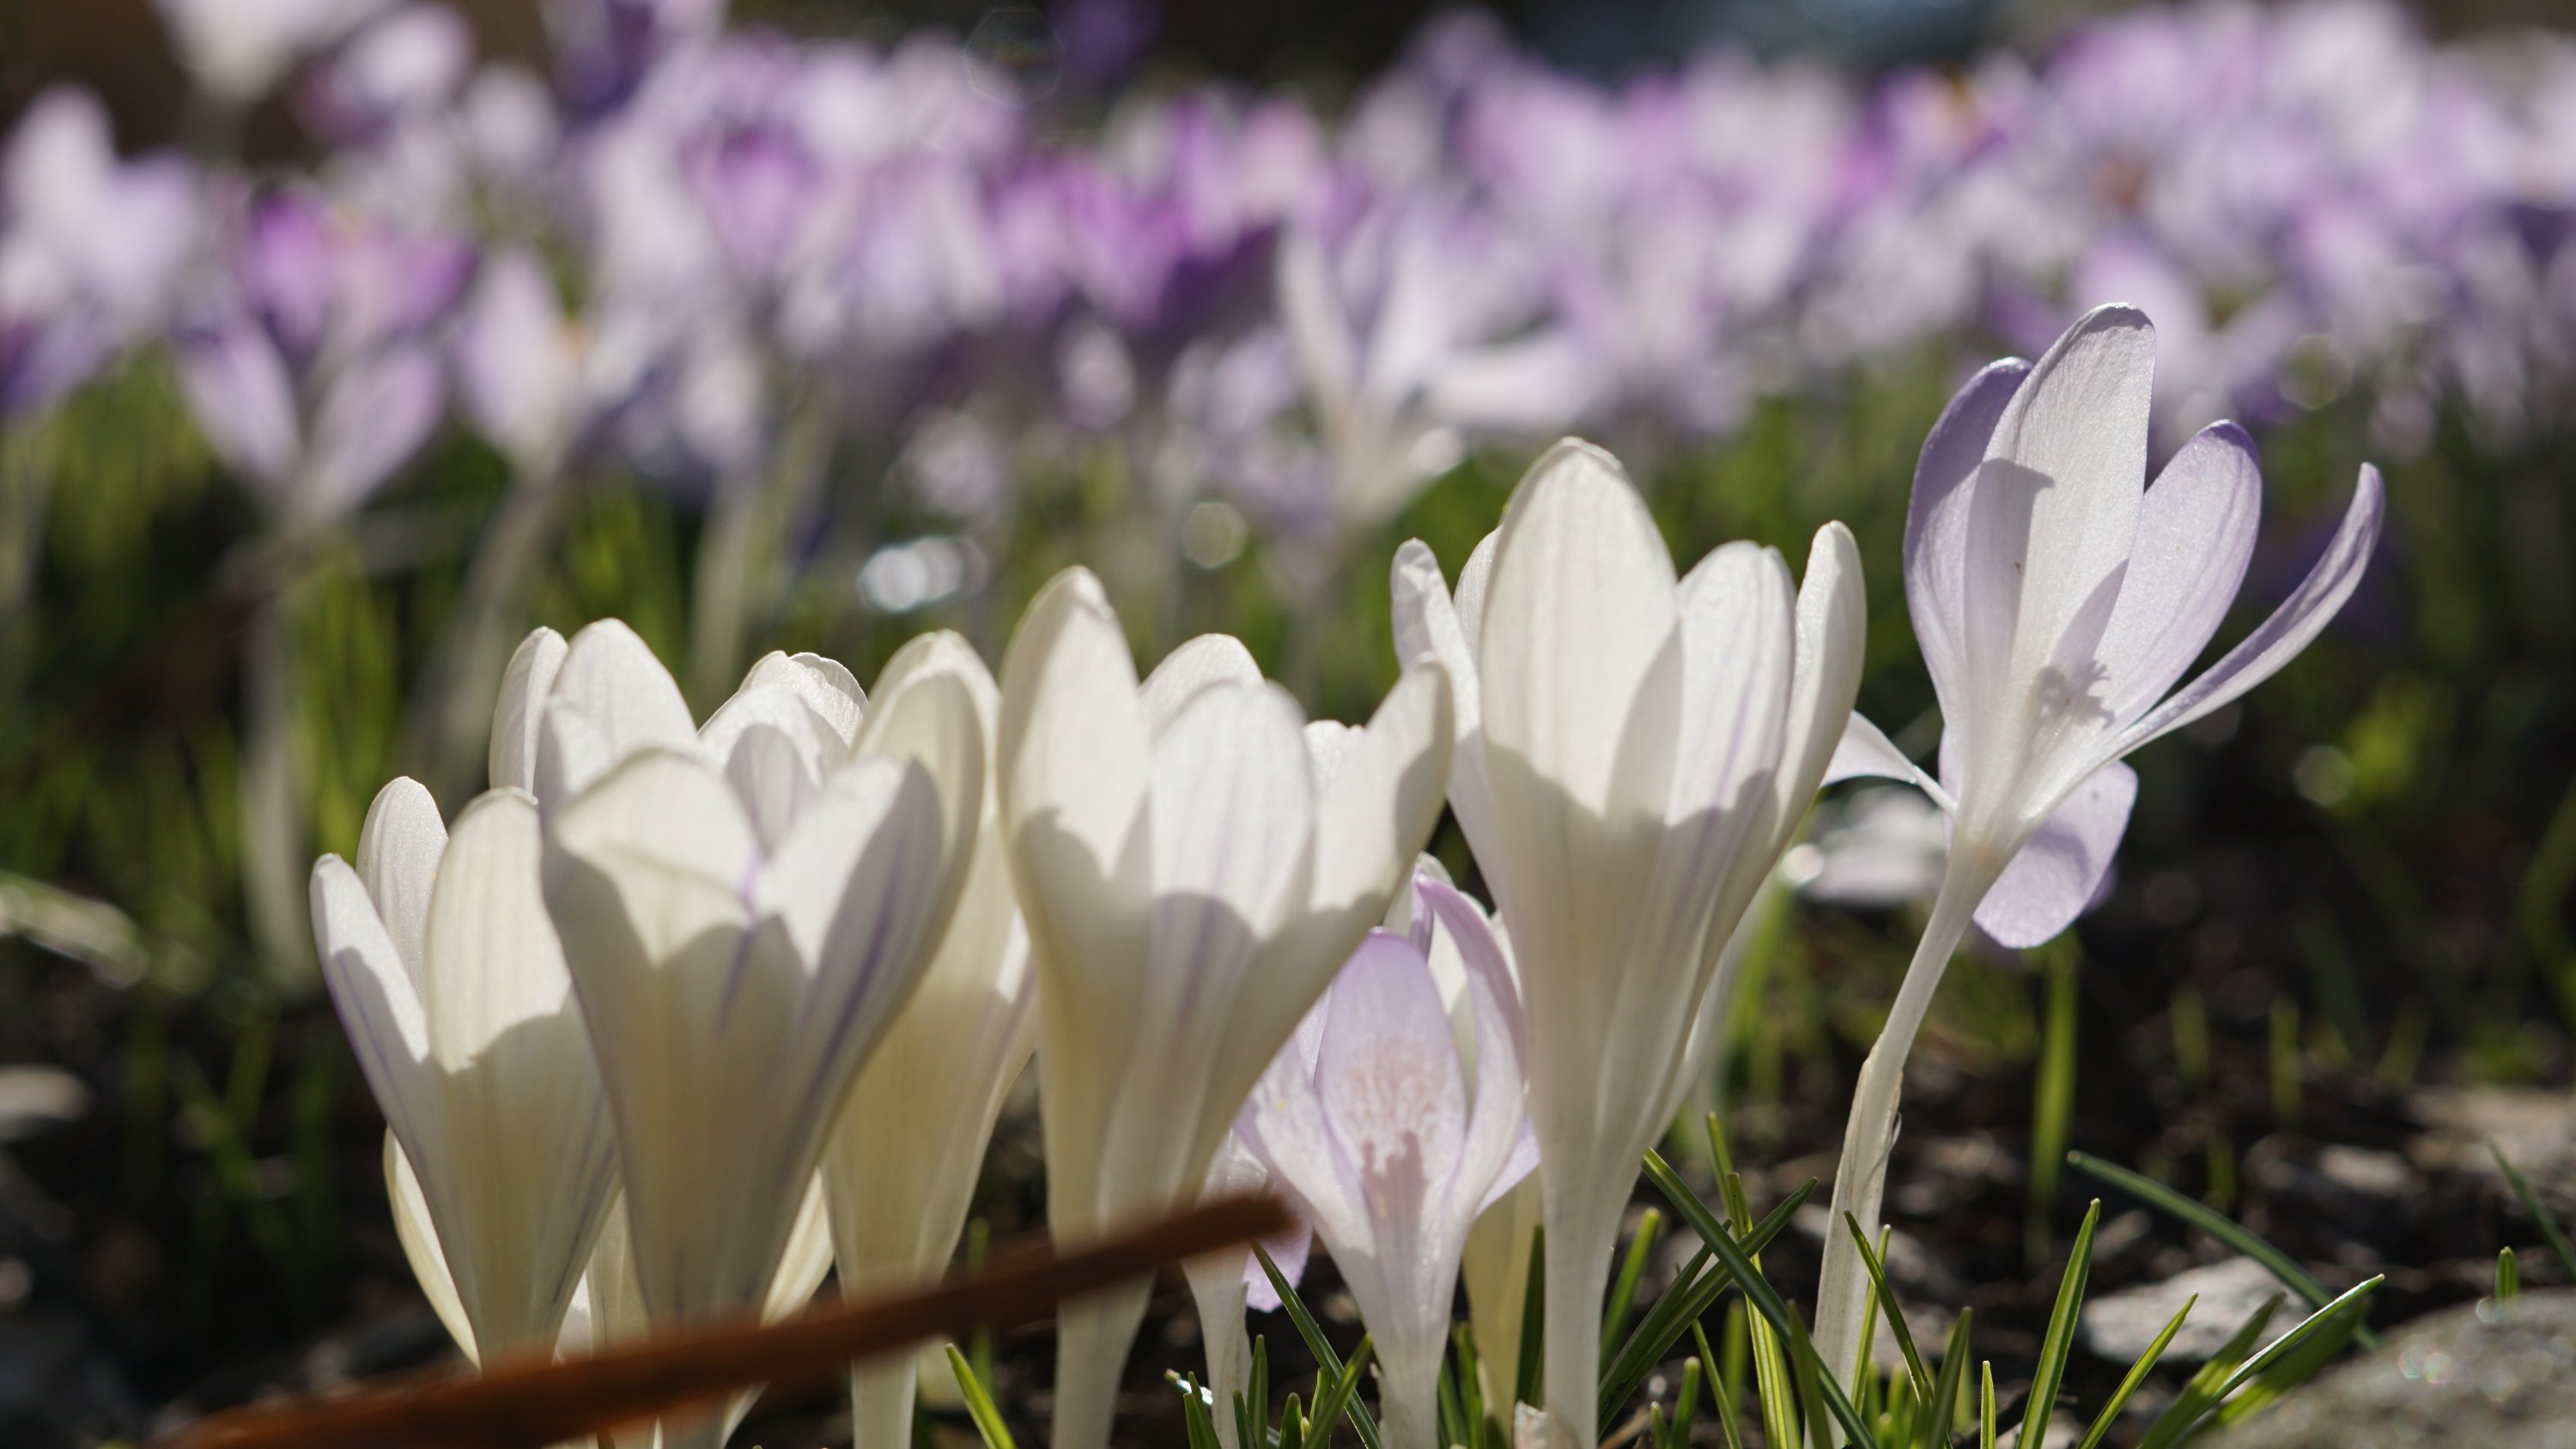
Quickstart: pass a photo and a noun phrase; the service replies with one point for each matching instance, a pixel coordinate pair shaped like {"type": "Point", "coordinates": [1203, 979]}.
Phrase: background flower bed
{"type": "Point", "coordinates": [1013, 317]}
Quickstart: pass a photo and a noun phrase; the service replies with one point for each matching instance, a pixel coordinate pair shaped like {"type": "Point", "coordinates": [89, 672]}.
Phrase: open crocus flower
{"type": "Point", "coordinates": [1390, 1138]}
{"type": "Point", "coordinates": [1634, 751]}
{"type": "Point", "coordinates": [902, 1164]}
{"type": "Point", "coordinates": [743, 915]}
{"type": "Point", "coordinates": [449, 979]}
{"type": "Point", "coordinates": [1194, 861]}
{"type": "Point", "coordinates": [1223, 1285]}
{"type": "Point", "coordinates": [2058, 601]}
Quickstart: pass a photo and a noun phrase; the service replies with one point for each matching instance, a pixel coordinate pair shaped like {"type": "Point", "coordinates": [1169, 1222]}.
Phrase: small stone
{"type": "Point", "coordinates": [2498, 1377]}
{"type": "Point", "coordinates": [2118, 1327]}
{"type": "Point", "coordinates": [35, 1098]}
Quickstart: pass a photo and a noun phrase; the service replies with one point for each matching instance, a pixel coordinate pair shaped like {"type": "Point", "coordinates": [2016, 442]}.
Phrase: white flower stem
{"type": "Point", "coordinates": [881, 1394]}
{"type": "Point", "coordinates": [1582, 1230]}
{"type": "Point", "coordinates": [272, 799]}
{"type": "Point", "coordinates": [1092, 1338]}
{"type": "Point", "coordinates": [1860, 1178]}
{"type": "Point", "coordinates": [1409, 1393]}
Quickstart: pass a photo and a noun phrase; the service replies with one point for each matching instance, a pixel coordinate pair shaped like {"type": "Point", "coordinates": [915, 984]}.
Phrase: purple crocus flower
{"type": "Point", "coordinates": [89, 247]}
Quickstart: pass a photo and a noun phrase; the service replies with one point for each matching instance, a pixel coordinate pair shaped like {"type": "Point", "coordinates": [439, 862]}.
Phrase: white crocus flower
{"type": "Point", "coordinates": [2058, 601]}
{"type": "Point", "coordinates": [1634, 752]}
{"type": "Point", "coordinates": [449, 979]}
{"type": "Point", "coordinates": [902, 1163]}
{"type": "Point", "coordinates": [743, 914]}
{"type": "Point", "coordinates": [1191, 879]}
{"type": "Point", "coordinates": [1393, 1135]}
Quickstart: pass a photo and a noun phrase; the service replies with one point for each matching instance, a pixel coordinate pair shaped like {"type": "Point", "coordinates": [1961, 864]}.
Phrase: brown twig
{"type": "Point", "coordinates": [530, 1401]}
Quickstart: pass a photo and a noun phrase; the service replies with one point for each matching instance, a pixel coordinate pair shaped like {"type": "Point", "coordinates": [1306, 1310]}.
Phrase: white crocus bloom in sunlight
{"type": "Point", "coordinates": [1223, 1285]}
{"type": "Point", "coordinates": [743, 914]}
{"type": "Point", "coordinates": [1390, 1138]}
{"type": "Point", "coordinates": [2058, 601]}
{"type": "Point", "coordinates": [448, 976]}
{"type": "Point", "coordinates": [1634, 751]}
{"type": "Point", "coordinates": [1193, 862]}
{"type": "Point", "coordinates": [902, 1163]}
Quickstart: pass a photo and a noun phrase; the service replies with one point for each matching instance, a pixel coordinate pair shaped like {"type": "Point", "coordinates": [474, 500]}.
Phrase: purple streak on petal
{"type": "Point", "coordinates": [2053, 879]}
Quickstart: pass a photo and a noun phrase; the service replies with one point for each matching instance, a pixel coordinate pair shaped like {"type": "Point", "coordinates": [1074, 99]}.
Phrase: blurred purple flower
{"type": "Point", "coordinates": [89, 247]}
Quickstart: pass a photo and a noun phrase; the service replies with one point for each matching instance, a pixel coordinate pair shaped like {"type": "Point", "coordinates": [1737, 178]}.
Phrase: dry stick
{"type": "Point", "coordinates": [529, 1401]}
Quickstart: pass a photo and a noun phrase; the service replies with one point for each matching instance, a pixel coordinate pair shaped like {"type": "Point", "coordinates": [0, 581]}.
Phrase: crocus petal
{"type": "Point", "coordinates": [398, 853]}
{"type": "Point", "coordinates": [815, 699]}
{"type": "Point", "coordinates": [1936, 524]}
{"type": "Point", "coordinates": [1580, 610]}
{"type": "Point", "coordinates": [1866, 752]}
{"type": "Point", "coordinates": [1232, 829]}
{"type": "Point", "coordinates": [2054, 877]}
{"type": "Point", "coordinates": [519, 714]}
{"type": "Point", "coordinates": [377, 998]}
{"type": "Point", "coordinates": [238, 391]}
{"type": "Point", "coordinates": [1832, 620]}
{"type": "Point", "coordinates": [2278, 640]}
{"type": "Point", "coordinates": [1205, 660]}
{"type": "Point", "coordinates": [2195, 535]}
{"type": "Point", "coordinates": [419, 1239]}
{"type": "Point", "coordinates": [521, 1191]}
{"type": "Point", "coordinates": [373, 418]}
{"type": "Point", "coordinates": [611, 678]}
{"type": "Point", "coordinates": [2055, 511]}
{"type": "Point", "coordinates": [1390, 1084]}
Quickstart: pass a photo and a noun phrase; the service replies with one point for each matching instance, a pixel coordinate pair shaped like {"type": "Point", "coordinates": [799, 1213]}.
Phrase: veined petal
{"type": "Point", "coordinates": [2052, 520]}
{"type": "Point", "coordinates": [1498, 1148]}
{"type": "Point", "coordinates": [1205, 660]}
{"type": "Point", "coordinates": [824, 684]}
{"type": "Point", "coordinates": [776, 709]}
{"type": "Point", "coordinates": [808, 1258]}
{"type": "Point", "coordinates": [776, 778]}
{"type": "Point", "coordinates": [398, 853]}
{"type": "Point", "coordinates": [664, 836]}
{"type": "Point", "coordinates": [2195, 536]}
{"type": "Point", "coordinates": [1936, 527]}
{"type": "Point", "coordinates": [2054, 877]}
{"type": "Point", "coordinates": [1284, 1125]}
{"type": "Point", "coordinates": [1391, 1086]}
{"type": "Point", "coordinates": [2278, 640]}
{"type": "Point", "coordinates": [1580, 608]}
{"type": "Point", "coordinates": [1737, 614]}
{"type": "Point", "coordinates": [1233, 823]}
{"type": "Point", "coordinates": [812, 699]}
{"type": "Point", "coordinates": [519, 715]}
{"type": "Point", "coordinates": [377, 997]}
{"type": "Point", "coordinates": [1382, 797]}
{"type": "Point", "coordinates": [419, 1239]}
{"type": "Point", "coordinates": [611, 678]}
{"type": "Point", "coordinates": [1474, 579]}
{"type": "Point", "coordinates": [1832, 621]}
{"type": "Point", "coordinates": [530, 1164]}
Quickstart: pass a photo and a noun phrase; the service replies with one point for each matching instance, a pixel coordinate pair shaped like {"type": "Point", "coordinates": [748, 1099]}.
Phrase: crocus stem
{"type": "Point", "coordinates": [1860, 1179]}
{"type": "Point", "coordinates": [1409, 1394]}
{"type": "Point", "coordinates": [1582, 1223]}
{"type": "Point", "coordinates": [453, 713]}
{"type": "Point", "coordinates": [881, 1394]}
{"type": "Point", "coordinates": [1092, 1338]}
{"type": "Point", "coordinates": [1229, 1364]}
{"type": "Point", "coordinates": [272, 803]}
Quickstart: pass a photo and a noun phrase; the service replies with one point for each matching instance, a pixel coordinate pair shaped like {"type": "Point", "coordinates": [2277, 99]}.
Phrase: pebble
{"type": "Point", "coordinates": [2496, 1377]}
{"type": "Point", "coordinates": [2118, 1326]}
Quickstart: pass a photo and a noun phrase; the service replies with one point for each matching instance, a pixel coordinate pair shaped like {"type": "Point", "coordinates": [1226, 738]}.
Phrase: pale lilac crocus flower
{"type": "Point", "coordinates": [1399, 1129]}
{"type": "Point", "coordinates": [2057, 603]}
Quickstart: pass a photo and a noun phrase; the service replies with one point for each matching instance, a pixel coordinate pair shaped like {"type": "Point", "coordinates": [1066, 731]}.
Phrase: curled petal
{"type": "Point", "coordinates": [2056, 875]}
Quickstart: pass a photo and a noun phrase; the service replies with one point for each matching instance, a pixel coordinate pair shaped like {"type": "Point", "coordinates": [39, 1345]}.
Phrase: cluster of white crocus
{"type": "Point", "coordinates": [680, 1011]}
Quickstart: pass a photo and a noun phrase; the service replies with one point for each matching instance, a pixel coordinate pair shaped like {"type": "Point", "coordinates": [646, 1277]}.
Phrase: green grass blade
{"type": "Point", "coordinates": [1915, 1373]}
{"type": "Point", "coordinates": [2060, 1343]}
{"type": "Point", "coordinates": [2329, 1326]}
{"type": "Point", "coordinates": [1338, 1393]}
{"type": "Point", "coordinates": [1758, 1290]}
{"type": "Point", "coordinates": [1322, 1348]}
{"type": "Point", "coordinates": [1721, 1402]}
{"type": "Point", "coordinates": [2539, 1211]}
{"type": "Point", "coordinates": [2053, 1095]}
{"type": "Point", "coordinates": [2508, 1280]}
{"type": "Point", "coordinates": [1257, 1401]}
{"type": "Point", "coordinates": [1986, 1405]}
{"type": "Point", "coordinates": [1683, 1303]}
{"type": "Point", "coordinates": [2225, 1229]}
{"type": "Point", "coordinates": [1526, 1375]}
{"type": "Point", "coordinates": [1686, 1403]}
{"type": "Point", "coordinates": [1941, 1411]}
{"type": "Point", "coordinates": [2182, 1417]}
{"type": "Point", "coordinates": [2137, 1375]}
{"type": "Point", "coordinates": [988, 1417]}
{"type": "Point", "coordinates": [1771, 1383]}
{"type": "Point", "coordinates": [1623, 1289]}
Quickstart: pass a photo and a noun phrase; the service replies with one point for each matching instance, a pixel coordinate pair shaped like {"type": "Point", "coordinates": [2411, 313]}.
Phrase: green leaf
{"type": "Point", "coordinates": [1527, 1370]}
{"type": "Point", "coordinates": [2226, 1230]}
{"type": "Point", "coordinates": [1916, 1374]}
{"type": "Point", "coordinates": [2296, 1356]}
{"type": "Point", "coordinates": [1986, 1405]}
{"type": "Point", "coordinates": [2182, 1417]}
{"type": "Point", "coordinates": [2060, 1343]}
{"type": "Point", "coordinates": [1758, 1291]}
{"type": "Point", "coordinates": [1338, 1392]}
{"type": "Point", "coordinates": [1719, 1398]}
{"type": "Point", "coordinates": [1686, 1403]}
{"type": "Point", "coordinates": [1196, 1421]}
{"type": "Point", "coordinates": [2137, 1375]}
{"type": "Point", "coordinates": [2508, 1279]}
{"type": "Point", "coordinates": [988, 1418]}
{"type": "Point", "coordinates": [1682, 1304]}
{"type": "Point", "coordinates": [1321, 1348]}
{"type": "Point", "coordinates": [2539, 1211]}
{"type": "Point", "coordinates": [1942, 1409]}
{"type": "Point", "coordinates": [1623, 1289]}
